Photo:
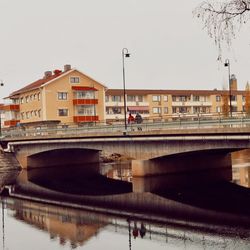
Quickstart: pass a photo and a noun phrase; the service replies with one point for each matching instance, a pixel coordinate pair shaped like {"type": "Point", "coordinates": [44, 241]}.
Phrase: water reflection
{"type": "Point", "coordinates": [241, 167]}
{"type": "Point", "coordinates": [76, 228]}
{"type": "Point", "coordinates": [114, 210]}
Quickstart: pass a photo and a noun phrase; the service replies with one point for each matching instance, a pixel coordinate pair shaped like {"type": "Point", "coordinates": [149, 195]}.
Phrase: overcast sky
{"type": "Point", "coordinates": [169, 49]}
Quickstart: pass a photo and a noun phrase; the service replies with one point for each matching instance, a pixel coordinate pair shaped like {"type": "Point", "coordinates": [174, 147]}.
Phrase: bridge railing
{"type": "Point", "coordinates": [147, 125]}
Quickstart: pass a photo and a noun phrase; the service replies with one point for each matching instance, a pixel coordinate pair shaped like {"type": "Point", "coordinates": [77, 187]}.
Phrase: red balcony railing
{"type": "Point", "coordinates": [85, 101]}
{"type": "Point", "coordinates": [11, 123]}
{"type": "Point", "coordinates": [86, 118]}
{"type": "Point", "coordinates": [11, 107]}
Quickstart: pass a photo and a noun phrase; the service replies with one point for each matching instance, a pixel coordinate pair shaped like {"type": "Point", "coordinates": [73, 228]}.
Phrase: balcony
{"type": "Point", "coordinates": [191, 103]}
{"type": "Point", "coordinates": [11, 107]}
{"type": "Point", "coordinates": [11, 123]}
{"type": "Point", "coordinates": [85, 118]}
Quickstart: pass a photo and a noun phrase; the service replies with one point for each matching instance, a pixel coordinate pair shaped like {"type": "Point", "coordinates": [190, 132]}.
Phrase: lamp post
{"type": "Point", "coordinates": [1, 84]}
{"type": "Point", "coordinates": [227, 64]}
{"type": "Point", "coordinates": [125, 53]}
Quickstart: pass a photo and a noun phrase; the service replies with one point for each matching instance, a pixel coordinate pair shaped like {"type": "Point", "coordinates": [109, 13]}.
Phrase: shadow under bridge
{"type": "Point", "coordinates": [62, 157]}
{"type": "Point", "coordinates": [200, 166]}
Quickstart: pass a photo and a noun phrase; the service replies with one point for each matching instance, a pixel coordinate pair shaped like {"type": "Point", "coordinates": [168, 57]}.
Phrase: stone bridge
{"type": "Point", "coordinates": [152, 153]}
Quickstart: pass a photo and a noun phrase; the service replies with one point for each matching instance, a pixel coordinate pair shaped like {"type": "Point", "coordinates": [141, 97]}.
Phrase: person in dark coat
{"type": "Point", "coordinates": [138, 120]}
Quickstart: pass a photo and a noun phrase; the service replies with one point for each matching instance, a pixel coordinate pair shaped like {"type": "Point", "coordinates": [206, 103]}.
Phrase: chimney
{"type": "Point", "coordinates": [67, 67]}
{"type": "Point", "coordinates": [233, 82]}
{"type": "Point", "coordinates": [47, 74]}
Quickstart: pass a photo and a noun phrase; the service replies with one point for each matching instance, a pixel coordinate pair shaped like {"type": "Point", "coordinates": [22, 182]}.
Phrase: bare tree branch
{"type": "Point", "coordinates": [223, 18]}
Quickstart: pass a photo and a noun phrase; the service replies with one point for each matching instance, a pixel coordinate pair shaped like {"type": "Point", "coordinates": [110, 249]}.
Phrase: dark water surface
{"type": "Point", "coordinates": [65, 209]}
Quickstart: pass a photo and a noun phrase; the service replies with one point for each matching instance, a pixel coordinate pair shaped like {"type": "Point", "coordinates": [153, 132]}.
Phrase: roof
{"type": "Point", "coordinates": [45, 81]}
{"type": "Point", "coordinates": [170, 92]}
{"type": "Point", "coordinates": [34, 85]}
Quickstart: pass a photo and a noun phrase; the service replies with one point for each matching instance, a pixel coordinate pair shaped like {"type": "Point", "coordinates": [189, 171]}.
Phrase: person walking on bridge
{"type": "Point", "coordinates": [138, 120]}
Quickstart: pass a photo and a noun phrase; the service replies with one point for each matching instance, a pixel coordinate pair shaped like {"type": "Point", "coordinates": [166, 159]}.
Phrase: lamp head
{"type": "Point", "coordinates": [1, 84]}
{"type": "Point", "coordinates": [226, 64]}
{"type": "Point", "coordinates": [127, 55]}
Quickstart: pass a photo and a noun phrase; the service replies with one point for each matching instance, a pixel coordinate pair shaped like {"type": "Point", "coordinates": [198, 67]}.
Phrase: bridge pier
{"type": "Point", "coordinates": [184, 163]}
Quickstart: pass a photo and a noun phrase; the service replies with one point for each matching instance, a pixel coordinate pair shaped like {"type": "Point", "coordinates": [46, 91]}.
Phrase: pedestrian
{"type": "Point", "coordinates": [138, 120]}
{"type": "Point", "coordinates": [131, 120]}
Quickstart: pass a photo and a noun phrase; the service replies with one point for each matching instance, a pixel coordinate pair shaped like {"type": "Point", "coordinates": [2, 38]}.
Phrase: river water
{"type": "Point", "coordinates": [51, 209]}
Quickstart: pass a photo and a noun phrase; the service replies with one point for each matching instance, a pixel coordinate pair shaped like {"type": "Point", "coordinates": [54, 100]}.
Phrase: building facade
{"type": "Point", "coordinates": [65, 97]}
{"type": "Point", "coordinates": [71, 97]}
{"type": "Point", "coordinates": [171, 104]}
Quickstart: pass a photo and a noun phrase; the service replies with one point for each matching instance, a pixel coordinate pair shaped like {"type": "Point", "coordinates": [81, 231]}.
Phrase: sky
{"type": "Point", "coordinates": [168, 45]}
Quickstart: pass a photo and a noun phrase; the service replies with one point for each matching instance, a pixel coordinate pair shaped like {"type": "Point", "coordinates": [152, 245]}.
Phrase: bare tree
{"type": "Point", "coordinates": [222, 18]}
{"type": "Point", "coordinates": [225, 109]}
{"type": "Point", "coordinates": [247, 99]}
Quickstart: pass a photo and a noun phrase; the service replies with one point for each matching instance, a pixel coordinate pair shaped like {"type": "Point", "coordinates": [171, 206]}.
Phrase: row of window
{"type": "Point", "coordinates": [37, 113]}
{"type": "Point", "coordinates": [158, 98]}
{"type": "Point", "coordinates": [118, 98]}
{"type": "Point", "coordinates": [78, 95]}
{"type": "Point", "coordinates": [87, 110]}
{"type": "Point", "coordinates": [29, 98]}
{"type": "Point", "coordinates": [30, 114]}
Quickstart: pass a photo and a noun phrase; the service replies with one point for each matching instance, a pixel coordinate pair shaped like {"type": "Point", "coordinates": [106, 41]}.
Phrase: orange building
{"type": "Point", "coordinates": [67, 96]}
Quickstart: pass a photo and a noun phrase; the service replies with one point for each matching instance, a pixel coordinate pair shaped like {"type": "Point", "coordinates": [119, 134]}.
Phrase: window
{"type": "Point", "coordinates": [39, 113]}
{"type": "Point", "coordinates": [116, 98]}
{"type": "Point", "coordinates": [218, 98]}
{"type": "Point", "coordinates": [27, 115]}
{"type": "Point", "coordinates": [131, 98]}
{"type": "Point", "coordinates": [62, 95]}
{"type": "Point", "coordinates": [63, 112]}
{"type": "Point", "coordinates": [116, 110]}
{"type": "Point", "coordinates": [183, 109]}
{"type": "Point", "coordinates": [174, 110]}
{"type": "Point", "coordinates": [31, 113]}
{"type": "Point", "coordinates": [34, 96]}
{"type": "Point", "coordinates": [196, 110]}
{"type": "Point", "coordinates": [86, 110]}
{"type": "Point", "coordinates": [243, 98]}
{"type": "Point", "coordinates": [22, 115]}
{"type": "Point", "coordinates": [106, 98]}
{"type": "Point", "coordinates": [218, 109]}
{"type": "Point", "coordinates": [233, 97]}
{"type": "Point", "coordinates": [85, 95]}
{"type": "Point", "coordinates": [183, 98]}
{"type": "Point", "coordinates": [165, 98]}
{"type": "Point", "coordinates": [38, 96]}
{"type": "Point", "coordinates": [26, 99]}
{"type": "Point", "coordinates": [140, 98]}
{"type": "Point", "coordinates": [156, 110]}
{"type": "Point", "coordinates": [234, 108]}
{"type": "Point", "coordinates": [21, 101]}
{"type": "Point", "coordinates": [31, 97]}
{"type": "Point", "coordinates": [196, 98]}
{"type": "Point", "coordinates": [165, 110]}
{"type": "Point", "coordinates": [156, 98]}
{"type": "Point", "coordinates": [74, 79]}
{"type": "Point", "coordinates": [35, 112]}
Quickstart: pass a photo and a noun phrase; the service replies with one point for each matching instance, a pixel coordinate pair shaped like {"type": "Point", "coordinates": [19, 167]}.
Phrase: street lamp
{"type": "Point", "coordinates": [227, 64]}
{"type": "Point", "coordinates": [125, 53]}
{"type": "Point", "coordinates": [1, 84]}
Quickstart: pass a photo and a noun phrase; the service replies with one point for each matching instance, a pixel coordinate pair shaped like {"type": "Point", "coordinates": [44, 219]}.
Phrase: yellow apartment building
{"type": "Point", "coordinates": [65, 97]}
{"type": "Point", "coordinates": [158, 105]}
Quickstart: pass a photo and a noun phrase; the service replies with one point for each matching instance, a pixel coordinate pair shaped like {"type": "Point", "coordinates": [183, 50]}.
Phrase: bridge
{"type": "Point", "coordinates": [199, 145]}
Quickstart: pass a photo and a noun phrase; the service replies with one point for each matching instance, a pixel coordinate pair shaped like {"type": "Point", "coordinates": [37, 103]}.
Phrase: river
{"type": "Point", "coordinates": [64, 209]}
